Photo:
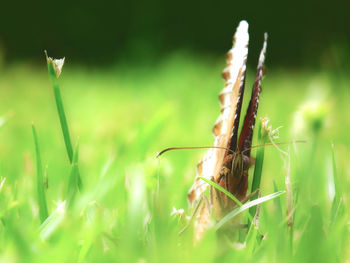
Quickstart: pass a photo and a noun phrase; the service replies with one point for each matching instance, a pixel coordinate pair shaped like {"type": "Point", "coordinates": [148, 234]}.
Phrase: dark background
{"type": "Point", "coordinates": [301, 33]}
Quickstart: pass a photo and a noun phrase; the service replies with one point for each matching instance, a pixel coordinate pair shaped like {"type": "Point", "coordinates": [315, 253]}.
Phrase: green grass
{"type": "Point", "coordinates": [43, 214]}
{"type": "Point", "coordinates": [126, 114]}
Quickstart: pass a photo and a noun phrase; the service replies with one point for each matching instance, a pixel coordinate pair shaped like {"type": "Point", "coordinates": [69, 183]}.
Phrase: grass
{"type": "Point", "coordinates": [123, 117]}
{"type": "Point", "coordinates": [43, 213]}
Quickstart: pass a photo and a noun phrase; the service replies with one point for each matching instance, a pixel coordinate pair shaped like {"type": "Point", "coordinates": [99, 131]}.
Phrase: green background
{"type": "Point", "coordinates": [302, 32]}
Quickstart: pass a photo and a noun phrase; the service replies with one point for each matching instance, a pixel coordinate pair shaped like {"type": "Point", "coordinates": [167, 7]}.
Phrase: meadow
{"type": "Point", "coordinates": [120, 117]}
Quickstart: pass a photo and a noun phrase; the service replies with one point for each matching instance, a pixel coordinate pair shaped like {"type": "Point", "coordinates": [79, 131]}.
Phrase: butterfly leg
{"type": "Point", "coordinates": [219, 200]}
{"type": "Point", "coordinates": [224, 175]}
{"type": "Point", "coordinates": [257, 191]}
{"type": "Point", "coordinates": [197, 209]}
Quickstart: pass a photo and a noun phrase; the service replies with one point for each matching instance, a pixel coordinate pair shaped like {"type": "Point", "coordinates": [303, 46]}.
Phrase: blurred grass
{"type": "Point", "coordinates": [123, 116]}
{"type": "Point", "coordinates": [40, 180]}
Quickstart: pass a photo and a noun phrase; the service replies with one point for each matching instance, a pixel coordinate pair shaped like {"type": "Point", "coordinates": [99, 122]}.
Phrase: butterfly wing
{"type": "Point", "coordinates": [245, 139]}
{"type": "Point", "coordinates": [226, 126]}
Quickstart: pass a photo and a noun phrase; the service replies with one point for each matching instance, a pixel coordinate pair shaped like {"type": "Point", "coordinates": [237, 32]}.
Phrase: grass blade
{"type": "Point", "coordinates": [337, 204]}
{"type": "Point", "coordinates": [278, 203]}
{"type": "Point", "coordinates": [246, 206]}
{"type": "Point", "coordinates": [43, 213]}
{"type": "Point", "coordinates": [73, 181]}
{"type": "Point", "coordinates": [258, 165]}
{"type": "Point", "coordinates": [59, 104]}
{"type": "Point", "coordinates": [251, 239]}
{"type": "Point", "coordinates": [53, 221]}
{"type": "Point", "coordinates": [218, 187]}
{"type": "Point", "coordinates": [54, 68]}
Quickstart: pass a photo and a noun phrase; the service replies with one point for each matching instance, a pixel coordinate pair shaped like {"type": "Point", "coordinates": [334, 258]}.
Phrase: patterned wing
{"type": "Point", "coordinates": [245, 139]}
{"type": "Point", "coordinates": [230, 103]}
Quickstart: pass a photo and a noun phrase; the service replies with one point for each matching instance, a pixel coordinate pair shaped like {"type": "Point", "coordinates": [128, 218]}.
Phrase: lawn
{"type": "Point", "coordinates": [120, 117]}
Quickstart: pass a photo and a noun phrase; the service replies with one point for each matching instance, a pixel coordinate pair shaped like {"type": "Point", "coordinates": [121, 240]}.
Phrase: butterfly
{"type": "Point", "coordinates": [228, 161]}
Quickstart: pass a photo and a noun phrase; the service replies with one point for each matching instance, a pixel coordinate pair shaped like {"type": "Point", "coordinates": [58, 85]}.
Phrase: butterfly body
{"type": "Point", "coordinates": [233, 177]}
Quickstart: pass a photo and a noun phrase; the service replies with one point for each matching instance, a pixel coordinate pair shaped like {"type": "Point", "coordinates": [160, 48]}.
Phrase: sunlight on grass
{"type": "Point", "coordinates": [123, 117]}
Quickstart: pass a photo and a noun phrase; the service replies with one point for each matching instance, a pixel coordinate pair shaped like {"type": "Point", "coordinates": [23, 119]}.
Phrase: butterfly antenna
{"type": "Point", "coordinates": [193, 148]}
{"type": "Point", "coordinates": [273, 144]}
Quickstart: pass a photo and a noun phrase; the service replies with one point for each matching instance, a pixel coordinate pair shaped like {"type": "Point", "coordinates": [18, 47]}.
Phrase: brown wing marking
{"type": "Point", "coordinates": [245, 139]}
{"type": "Point", "coordinates": [209, 167]}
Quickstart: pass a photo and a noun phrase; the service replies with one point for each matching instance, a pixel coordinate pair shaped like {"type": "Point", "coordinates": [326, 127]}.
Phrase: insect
{"type": "Point", "coordinates": [228, 161]}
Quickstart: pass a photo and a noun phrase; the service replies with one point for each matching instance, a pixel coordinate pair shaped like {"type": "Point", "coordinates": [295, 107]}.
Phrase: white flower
{"type": "Point", "coordinates": [177, 212]}
{"type": "Point", "coordinates": [57, 64]}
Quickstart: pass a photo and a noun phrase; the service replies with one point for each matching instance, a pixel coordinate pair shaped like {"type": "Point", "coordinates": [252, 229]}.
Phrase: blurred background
{"type": "Point", "coordinates": [313, 33]}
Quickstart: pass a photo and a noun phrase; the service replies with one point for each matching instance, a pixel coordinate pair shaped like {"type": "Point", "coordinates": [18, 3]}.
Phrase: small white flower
{"type": "Point", "coordinates": [177, 212]}
{"type": "Point", "coordinates": [267, 130]}
{"type": "Point", "coordinates": [57, 64]}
